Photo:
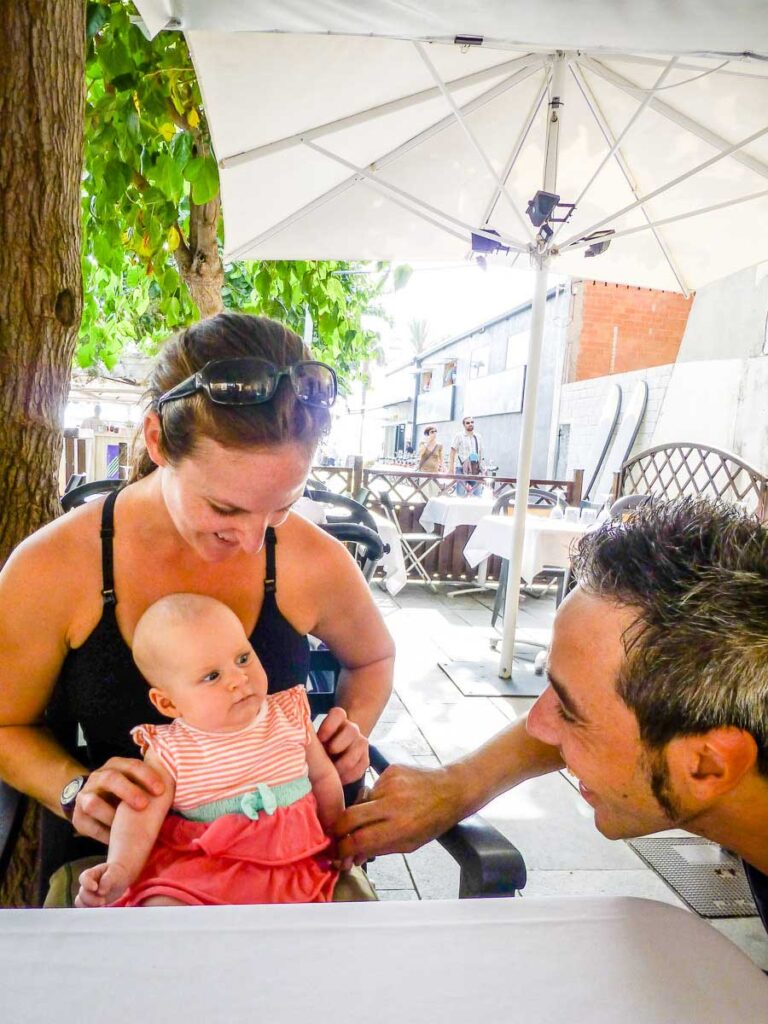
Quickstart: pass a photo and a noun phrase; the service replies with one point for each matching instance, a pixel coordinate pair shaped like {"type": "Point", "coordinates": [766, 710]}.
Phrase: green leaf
{"type": "Point", "coordinates": [194, 168]}
{"type": "Point", "coordinates": [96, 17]}
{"type": "Point", "coordinates": [401, 276]}
{"type": "Point", "coordinates": [206, 183]}
{"type": "Point", "coordinates": [181, 148]}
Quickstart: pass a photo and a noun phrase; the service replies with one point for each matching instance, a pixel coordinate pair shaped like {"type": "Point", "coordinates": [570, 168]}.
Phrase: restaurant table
{"type": "Point", "coordinates": [555, 960]}
{"type": "Point", "coordinates": [547, 541]}
{"type": "Point", "coordinates": [450, 511]}
{"type": "Point", "coordinates": [393, 560]}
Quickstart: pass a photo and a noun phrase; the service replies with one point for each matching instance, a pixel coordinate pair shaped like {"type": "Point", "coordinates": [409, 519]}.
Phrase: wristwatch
{"type": "Point", "coordinates": [69, 795]}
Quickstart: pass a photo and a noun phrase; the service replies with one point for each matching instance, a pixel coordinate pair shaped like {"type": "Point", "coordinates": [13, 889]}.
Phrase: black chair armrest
{"type": "Point", "coordinates": [490, 865]}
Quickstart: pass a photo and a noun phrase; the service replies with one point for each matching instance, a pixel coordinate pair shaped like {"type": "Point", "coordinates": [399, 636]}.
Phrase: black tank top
{"type": "Point", "coordinates": [101, 689]}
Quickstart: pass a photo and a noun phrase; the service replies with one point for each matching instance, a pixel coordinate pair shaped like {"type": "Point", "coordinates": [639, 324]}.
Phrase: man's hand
{"type": "Point", "coordinates": [405, 809]}
{"type": "Point", "coordinates": [121, 778]}
{"type": "Point", "coordinates": [102, 884]}
{"type": "Point", "coordinates": [345, 745]}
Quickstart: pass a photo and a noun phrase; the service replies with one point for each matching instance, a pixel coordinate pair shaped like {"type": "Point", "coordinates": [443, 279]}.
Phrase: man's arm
{"type": "Point", "coordinates": [452, 460]}
{"type": "Point", "coordinates": [409, 806]}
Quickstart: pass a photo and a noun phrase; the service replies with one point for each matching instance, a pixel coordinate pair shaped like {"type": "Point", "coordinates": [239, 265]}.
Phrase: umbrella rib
{"type": "Point", "coordinates": [387, 158]}
{"type": "Point", "coordinates": [393, 190]}
{"type": "Point", "coordinates": [580, 243]}
{"type": "Point", "coordinates": [669, 185]}
{"type": "Point", "coordinates": [621, 160]}
{"type": "Point", "coordinates": [678, 118]}
{"type": "Point", "coordinates": [516, 150]}
{"type": "Point", "coordinates": [528, 63]}
{"type": "Point", "coordinates": [615, 142]}
{"type": "Point", "coordinates": [472, 139]}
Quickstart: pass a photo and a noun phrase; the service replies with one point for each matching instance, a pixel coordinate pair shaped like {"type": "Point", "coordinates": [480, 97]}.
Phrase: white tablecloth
{"type": "Point", "coordinates": [392, 561]}
{"type": "Point", "coordinates": [547, 542]}
{"type": "Point", "coordinates": [517, 961]}
{"type": "Point", "coordinates": [450, 512]}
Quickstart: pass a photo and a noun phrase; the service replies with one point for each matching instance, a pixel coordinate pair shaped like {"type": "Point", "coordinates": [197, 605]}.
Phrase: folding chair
{"type": "Point", "coordinates": [413, 544]}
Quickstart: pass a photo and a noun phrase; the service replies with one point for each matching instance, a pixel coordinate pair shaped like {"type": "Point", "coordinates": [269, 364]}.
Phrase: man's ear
{"type": "Point", "coordinates": [163, 703]}
{"type": "Point", "coordinates": [152, 436]}
{"type": "Point", "coordinates": [713, 763]}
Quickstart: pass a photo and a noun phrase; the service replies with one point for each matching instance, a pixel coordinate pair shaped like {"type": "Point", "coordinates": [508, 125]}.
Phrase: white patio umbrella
{"type": "Point", "coordinates": [390, 130]}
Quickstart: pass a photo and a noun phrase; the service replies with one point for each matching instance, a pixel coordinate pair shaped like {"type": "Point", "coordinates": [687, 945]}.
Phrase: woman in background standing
{"type": "Point", "coordinates": [430, 458]}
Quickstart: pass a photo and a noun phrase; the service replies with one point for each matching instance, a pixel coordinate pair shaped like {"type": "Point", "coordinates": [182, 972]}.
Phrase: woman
{"type": "Point", "coordinates": [430, 458]}
{"type": "Point", "coordinates": [225, 453]}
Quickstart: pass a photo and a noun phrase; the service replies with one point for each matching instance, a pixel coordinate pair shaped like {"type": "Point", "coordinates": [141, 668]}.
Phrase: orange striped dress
{"type": "Point", "coordinates": [278, 854]}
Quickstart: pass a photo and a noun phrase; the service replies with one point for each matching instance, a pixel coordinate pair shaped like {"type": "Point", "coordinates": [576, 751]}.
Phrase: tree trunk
{"type": "Point", "coordinates": [42, 109]}
{"type": "Point", "coordinates": [198, 259]}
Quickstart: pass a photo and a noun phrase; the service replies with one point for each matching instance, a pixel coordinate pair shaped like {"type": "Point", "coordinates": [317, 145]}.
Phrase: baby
{"type": "Point", "coordinates": [249, 786]}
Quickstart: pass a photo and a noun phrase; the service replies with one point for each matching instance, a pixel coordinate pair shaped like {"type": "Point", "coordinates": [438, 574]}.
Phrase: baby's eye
{"type": "Point", "coordinates": [243, 659]}
{"type": "Point", "coordinates": [212, 676]}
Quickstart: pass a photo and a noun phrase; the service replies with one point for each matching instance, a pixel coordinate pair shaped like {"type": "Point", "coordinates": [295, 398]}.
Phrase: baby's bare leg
{"type": "Point", "coordinates": [161, 901]}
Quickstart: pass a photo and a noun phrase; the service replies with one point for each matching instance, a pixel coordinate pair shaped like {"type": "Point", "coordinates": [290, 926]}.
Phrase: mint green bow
{"type": "Point", "coordinates": [262, 800]}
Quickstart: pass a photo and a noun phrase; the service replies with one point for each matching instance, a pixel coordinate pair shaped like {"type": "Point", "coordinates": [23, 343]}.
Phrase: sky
{"type": "Point", "coordinates": [452, 298]}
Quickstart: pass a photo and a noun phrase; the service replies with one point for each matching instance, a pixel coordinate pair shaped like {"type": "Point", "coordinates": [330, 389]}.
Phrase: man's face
{"type": "Point", "coordinates": [469, 425]}
{"type": "Point", "coordinates": [598, 737]}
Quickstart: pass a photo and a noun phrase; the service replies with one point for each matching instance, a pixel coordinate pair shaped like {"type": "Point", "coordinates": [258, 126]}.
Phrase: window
{"type": "Point", "coordinates": [478, 366]}
{"type": "Point", "coordinates": [449, 373]}
{"type": "Point", "coordinates": [517, 349]}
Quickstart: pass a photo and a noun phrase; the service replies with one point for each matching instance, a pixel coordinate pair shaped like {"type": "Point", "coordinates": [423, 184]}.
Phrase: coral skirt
{"type": "Point", "coordinates": [279, 858]}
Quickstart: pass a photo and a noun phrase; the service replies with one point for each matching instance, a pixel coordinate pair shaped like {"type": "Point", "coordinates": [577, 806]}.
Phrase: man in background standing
{"type": "Point", "coordinates": [467, 457]}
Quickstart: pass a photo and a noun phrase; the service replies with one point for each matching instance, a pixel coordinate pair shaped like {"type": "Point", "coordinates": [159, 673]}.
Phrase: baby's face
{"type": "Point", "coordinates": [211, 676]}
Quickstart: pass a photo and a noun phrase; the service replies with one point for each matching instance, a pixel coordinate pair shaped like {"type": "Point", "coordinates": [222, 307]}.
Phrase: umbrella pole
{"type": "Point", "coordinates": [525, 455]}
{"type": "Point", "coordinates": [524, 468]}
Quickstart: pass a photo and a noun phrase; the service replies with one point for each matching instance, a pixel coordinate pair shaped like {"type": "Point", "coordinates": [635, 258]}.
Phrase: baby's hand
{"type": "Point", "coordinates": [101, 885]}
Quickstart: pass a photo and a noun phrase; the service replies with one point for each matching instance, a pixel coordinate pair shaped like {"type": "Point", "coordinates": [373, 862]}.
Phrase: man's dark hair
{"type": "Point", "coordinates": [697, 656]}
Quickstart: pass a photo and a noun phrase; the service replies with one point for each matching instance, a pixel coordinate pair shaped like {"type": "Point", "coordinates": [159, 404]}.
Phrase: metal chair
{"type": "Point", "coordinates": [540, 499]}
{"type": "Point", "coordinates": [628, 503]}
{"type": "Point", "coordinates": [79, 494]}
{"type": "Point", "coordinates": [414, 545]}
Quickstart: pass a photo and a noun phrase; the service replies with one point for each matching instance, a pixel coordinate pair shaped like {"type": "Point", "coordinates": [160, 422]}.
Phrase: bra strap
{"type": "Point", "coordinates": [107, 535]}
{"type": "Point", "coordinates": [270, 579]}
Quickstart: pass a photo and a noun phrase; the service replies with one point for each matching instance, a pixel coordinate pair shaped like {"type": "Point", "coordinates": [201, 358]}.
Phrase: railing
{"type": "Point", "coordinates": [677, 470]}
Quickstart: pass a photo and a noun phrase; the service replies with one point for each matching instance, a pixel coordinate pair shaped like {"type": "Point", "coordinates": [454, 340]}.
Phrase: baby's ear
{"type": "Point", "coordinates": [163, 703]}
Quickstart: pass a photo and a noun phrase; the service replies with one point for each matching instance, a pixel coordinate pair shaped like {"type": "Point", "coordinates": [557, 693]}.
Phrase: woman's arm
{"type": "Point", "coordinates": [409, 806]}
{"type": "Point", "coordinates": [326, 784]}
{"type": "Point", "coordinates": [350, 624]}
{"type": "Point", "coordinates": [42, 588]}
{"type": "Point", "coordinates": [131, 839]}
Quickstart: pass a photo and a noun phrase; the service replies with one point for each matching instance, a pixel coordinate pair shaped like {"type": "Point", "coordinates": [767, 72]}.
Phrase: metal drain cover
{"type": "Point", "coordinates": [710, 879]}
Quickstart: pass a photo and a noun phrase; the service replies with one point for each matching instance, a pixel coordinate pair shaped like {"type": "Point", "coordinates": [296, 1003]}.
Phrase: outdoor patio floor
{"type": "Point", "coordinates": [429, 721]}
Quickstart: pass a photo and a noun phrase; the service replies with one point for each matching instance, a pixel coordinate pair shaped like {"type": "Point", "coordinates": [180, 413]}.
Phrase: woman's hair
{"type": "Point", "coordinates": [184, 421]}
{"type": "Point", "coordinates": [697, 655]}
{"type": "Point", "coordinates": [428, 428]}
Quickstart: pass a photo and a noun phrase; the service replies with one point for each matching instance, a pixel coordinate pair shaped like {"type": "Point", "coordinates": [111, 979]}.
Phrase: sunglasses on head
{"type": "Point", "coordinates": [252, 381]}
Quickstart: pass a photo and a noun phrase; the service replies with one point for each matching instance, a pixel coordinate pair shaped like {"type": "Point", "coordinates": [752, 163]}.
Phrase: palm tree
{"type": "Point", "coordinates": [419, 335]}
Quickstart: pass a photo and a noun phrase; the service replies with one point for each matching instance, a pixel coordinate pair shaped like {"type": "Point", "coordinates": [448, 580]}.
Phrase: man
{"type": "Point", "coordinates": [466, 457]}
{"type": "Point", "coordinates": [657, 698]}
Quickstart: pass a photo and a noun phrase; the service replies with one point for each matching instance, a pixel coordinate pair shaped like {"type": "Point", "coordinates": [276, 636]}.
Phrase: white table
{"type": "Point", "coordinates": [451, 511]}
{"type": "Point", "coordinates": [517, 961]}
{"type": "Point", "coordinates": [392, 561]}
{"type": "Point", "coordinates": [547, 541]}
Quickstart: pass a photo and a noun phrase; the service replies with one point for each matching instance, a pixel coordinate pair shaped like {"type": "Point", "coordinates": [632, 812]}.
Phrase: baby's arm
{"type": "Point", "coordinates": [131, 839]}
{"type": "Point", "coordinates": [326, 784]}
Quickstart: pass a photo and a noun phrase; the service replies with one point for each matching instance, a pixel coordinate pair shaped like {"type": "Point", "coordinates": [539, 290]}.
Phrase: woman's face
{"type": "Point", "coordinates": [221, 500]}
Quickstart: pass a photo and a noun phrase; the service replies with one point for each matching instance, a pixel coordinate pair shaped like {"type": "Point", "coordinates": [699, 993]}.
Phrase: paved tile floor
{"type": "Point", "coordinates": [429, 721]}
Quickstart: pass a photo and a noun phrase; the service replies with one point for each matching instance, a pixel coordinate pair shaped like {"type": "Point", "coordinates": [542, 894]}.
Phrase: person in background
{"type": "Point", "coordinates": [94, 422]}
{"type": "Point", "coordinates": [430, 459]}
{"type": "Point", "coordinates": [466, 458]}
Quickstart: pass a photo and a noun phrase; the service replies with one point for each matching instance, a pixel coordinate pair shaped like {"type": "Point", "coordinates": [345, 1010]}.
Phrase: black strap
{"type": "Point", "coordinates": [107, 535]}
{"type": "Point", "coordinates": [270, 580]}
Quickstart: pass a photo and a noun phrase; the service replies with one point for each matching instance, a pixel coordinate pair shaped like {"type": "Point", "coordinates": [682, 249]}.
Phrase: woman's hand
{"type": "Point", "coordinates": [121, 778]}
{"type": "Point", "coordinates": [345, 744]}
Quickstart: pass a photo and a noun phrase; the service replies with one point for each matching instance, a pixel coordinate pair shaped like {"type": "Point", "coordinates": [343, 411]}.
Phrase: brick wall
{"type": "Point", "coordinates": [619, 328]}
